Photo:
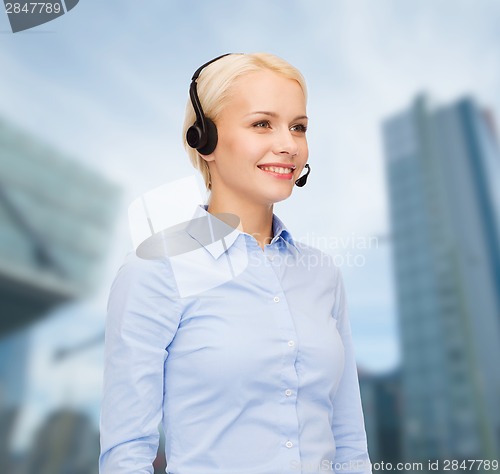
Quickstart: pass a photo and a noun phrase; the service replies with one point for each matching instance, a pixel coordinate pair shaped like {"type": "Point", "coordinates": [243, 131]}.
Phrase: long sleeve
{"type": "Point", "coordinates": [143, 317]}
{"type": "Point", "coordinates": [348, 422]}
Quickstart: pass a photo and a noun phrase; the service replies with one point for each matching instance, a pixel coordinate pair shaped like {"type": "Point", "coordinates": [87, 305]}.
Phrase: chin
{"type": "Point", "coordinates": [279, 196]}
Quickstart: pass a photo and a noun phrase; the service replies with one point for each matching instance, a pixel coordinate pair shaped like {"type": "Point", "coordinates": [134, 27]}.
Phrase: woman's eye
{"type": "Point", "coordinates": [299, 128]}
{"type": "Point", "coordinates": [262, 124]}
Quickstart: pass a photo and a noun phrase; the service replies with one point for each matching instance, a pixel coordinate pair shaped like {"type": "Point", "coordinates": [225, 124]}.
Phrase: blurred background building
{"type": "Point", "coordinates": [68, 442]}
{"type": "Point", "coordinates": [381, 397]}
{"type": "Point", "coordinates": [443, 170]}
{"type": "Point", "coordinates": [56, 218]}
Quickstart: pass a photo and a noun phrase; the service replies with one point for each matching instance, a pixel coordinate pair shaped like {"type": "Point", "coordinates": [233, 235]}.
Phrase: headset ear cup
{"type": "Point", "coordinates": [212, 138]}
{"type": "Point", "coordinates": [194, 136]}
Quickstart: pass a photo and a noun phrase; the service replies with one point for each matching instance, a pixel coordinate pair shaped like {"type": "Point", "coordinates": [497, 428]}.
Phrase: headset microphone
{"type": "Point", "coordinates": [202, 135]}
{"type": "Point", "coordinates": [303, 179]}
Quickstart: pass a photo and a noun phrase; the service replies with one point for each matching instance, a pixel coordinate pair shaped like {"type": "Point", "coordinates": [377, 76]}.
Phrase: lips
{"type": "Point", "coordinates": [278, 170]}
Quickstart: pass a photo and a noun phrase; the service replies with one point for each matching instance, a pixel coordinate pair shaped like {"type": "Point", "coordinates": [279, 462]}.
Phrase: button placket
{"type": "Point", "coordinates": [289, 378]}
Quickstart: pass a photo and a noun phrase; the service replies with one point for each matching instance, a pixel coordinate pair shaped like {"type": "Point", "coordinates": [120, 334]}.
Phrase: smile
{"type": "Point", "coordinates": [278, 171]}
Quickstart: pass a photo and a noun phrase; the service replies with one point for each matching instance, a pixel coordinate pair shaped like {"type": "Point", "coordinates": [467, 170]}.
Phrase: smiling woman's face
{"type": "Point", "coordinates": [262, 145]}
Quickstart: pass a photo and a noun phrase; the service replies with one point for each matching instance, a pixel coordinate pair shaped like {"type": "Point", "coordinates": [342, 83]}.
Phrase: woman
{"type": "Point", "coordinates": [254, 372]}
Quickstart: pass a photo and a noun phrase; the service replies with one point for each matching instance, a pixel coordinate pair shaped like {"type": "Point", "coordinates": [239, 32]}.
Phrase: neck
{"type": "Point", "coordinates": [255, 219]}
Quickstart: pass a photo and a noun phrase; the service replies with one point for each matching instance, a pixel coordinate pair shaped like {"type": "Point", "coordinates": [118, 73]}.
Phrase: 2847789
{"type": "Point", "coordinates": [33, 7]}
{"type": "Point", "coordinates": [470, 465]}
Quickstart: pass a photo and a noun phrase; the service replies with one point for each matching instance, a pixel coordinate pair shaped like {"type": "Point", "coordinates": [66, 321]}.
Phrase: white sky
{"type": "Point", "coordinates": [107, 83]}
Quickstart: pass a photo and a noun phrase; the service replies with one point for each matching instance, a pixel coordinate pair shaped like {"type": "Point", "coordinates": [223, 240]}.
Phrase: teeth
{"type": "Point", "coordinates": [276, 169]}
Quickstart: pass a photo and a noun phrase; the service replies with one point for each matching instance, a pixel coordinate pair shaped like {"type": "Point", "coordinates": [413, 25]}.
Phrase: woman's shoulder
{"type": "Point", "coordinates": [148, 275]}
{"type": "Point", "coordinates": [133, 265]}
{"type": "Point", "coordinates": [142, 304]}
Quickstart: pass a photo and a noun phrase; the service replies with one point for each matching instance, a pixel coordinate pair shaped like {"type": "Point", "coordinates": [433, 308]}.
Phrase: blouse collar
{"type": "Point", "coordinates": [218, 236]}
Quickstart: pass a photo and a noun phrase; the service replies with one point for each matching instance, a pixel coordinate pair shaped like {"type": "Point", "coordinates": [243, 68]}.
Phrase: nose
{"type": "Point", "coordinates": [286, 144]}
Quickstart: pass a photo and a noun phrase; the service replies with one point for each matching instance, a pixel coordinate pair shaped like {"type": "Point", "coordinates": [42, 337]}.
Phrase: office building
{"type": "Point", "coordinates": [56, 221]}
{"type": "Point", "coordinates": [381, 398]}
{"type": "Point", "coordinates": [56, 218]}
{"type": "Point", "coordinates": [443, 173]}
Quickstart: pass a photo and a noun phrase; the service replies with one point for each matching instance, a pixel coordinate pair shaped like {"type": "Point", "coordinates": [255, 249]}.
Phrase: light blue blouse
{"type": "Point", "coordinates": [244, 355]}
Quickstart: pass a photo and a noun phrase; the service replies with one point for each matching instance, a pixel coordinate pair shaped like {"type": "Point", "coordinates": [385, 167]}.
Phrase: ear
{"type": "Point", "coordinates": [207, 158]}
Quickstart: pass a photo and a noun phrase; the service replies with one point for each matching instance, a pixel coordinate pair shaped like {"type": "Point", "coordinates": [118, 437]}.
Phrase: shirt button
{"type": "Point", "coordinates": [276, 299]}
{"type": "Point", "coordinates": [288, 392]}
{"type": "Point", "coordinates": [291, 343]}
{"type": "Point", "coordinates": [288, 444]}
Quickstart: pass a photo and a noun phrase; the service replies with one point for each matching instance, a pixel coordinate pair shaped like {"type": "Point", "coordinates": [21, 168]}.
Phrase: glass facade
{"type": "Point", "coordinates": [443, 172]}
{"type": "Point", "coordinates": [56, 218]}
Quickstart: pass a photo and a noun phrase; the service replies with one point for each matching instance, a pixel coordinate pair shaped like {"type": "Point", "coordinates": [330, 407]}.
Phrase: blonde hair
{"type": "Point", "coordinates": [214, 85]}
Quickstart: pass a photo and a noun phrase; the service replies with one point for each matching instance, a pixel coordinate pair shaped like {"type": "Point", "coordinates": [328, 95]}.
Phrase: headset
{"type": "Point", "coordinates": [202, 135]}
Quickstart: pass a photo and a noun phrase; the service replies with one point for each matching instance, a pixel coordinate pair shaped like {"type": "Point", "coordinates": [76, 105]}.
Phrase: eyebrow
{"type": "Point", "coordinates": [274, 114]}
